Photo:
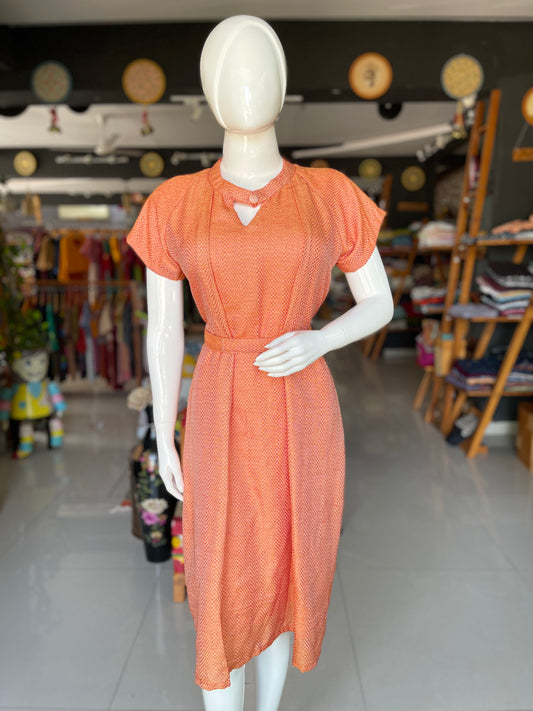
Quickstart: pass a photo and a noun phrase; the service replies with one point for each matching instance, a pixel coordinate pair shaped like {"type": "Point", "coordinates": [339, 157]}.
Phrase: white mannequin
{"type": "Point", "coordinates": [244, 77]}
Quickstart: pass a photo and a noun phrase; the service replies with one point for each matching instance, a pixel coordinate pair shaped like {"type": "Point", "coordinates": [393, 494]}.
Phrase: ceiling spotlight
{"type": "Point", "coordinates": [388, 110]}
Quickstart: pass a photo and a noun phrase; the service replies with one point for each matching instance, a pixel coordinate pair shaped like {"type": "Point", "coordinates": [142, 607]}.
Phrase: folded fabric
{"type": "Point", "coordinates": [480, 374]}
{"type": "Point", "coordinates": [491, 287]}
{"type": "Point", "coordinates": [472, 311]}
{"type": "Point", "coordinates": [420, 293]}
{"type": "Point", "coordinates": [515, 227]}
{"type": "Point", "coordinates": [437, 233]}
{"type": "Point", "coordinates": [514, 308]}
{"type": "Point", "coordinates": [510, 275]}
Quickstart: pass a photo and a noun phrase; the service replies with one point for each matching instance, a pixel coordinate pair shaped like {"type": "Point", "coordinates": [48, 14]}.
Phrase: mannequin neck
{"type": "Point", "coordinates": [251, 160]}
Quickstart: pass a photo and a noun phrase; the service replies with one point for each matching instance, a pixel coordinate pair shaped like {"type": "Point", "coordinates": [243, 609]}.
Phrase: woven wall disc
{"type": "Point", "coordinates": [152, 164]}
{"type": "Point", "coordinates": [143, 81]}
{"type": "Point", "coordinates": [527, 106]}
{"type": "Point", "coordinates": [51, 82]}
{"type": "Point", "coordinates": [370, 75]}
{"type": "Point", "coordinates": [413, 178]}
{"type": "Point", "coordinates": [25, 163]}
{"type": "Point", "coordinates": [462, 76]}
{"type": "Point", "coordinates": [370, 168]}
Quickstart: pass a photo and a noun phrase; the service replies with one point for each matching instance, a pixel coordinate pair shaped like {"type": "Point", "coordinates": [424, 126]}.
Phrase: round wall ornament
{"type": "Point", "coordinates": [527, 106]}
{"type": "Point", "coordinates": [370, 75]}
{"type": "Point", "coordinates": [461, 76]}
{"type": "Point", "coordinates": [413, 178]}
{"type": "Point", "coordinates": [370, 168]}
{"type": "Point", "coordinates": [143, 81]}
{"type": "Point", "coordinates": [25, 163]}
{"type": "Point", "coordinates": [51, 82]}
{"type": "Point", "coordinates": [152, 164]}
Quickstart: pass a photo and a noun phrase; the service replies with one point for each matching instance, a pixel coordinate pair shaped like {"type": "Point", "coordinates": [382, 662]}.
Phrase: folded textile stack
{"type": "Point", "coordinates": [428, 299]}
{"type": "Point", "coordinates": [506, 287]}
{"type": "Point", "coordinates": [519, 229]}
{"type": "Point", "coordinates": [395, 238]}
{"type": "Point", "coordinates": [481, 374]}
{"type": "Point", "coordinates": [437, 234]}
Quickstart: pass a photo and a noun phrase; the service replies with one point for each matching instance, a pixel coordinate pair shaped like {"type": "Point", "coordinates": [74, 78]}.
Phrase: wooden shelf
{"type": "Point", "coordinates": [489, 319]}
{"type": "Point", "coordinates": [498, 242]}
{"type": "Point", "coordinates": [467, 249]}
{"type": "Point", "coordinates": [386, 251]}
{"type": "Point", "coordinates": [487, 393]}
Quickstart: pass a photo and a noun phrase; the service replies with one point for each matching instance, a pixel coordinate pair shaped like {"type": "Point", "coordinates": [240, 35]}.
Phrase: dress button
{"type": "Point", "coordinates": [254, 199]}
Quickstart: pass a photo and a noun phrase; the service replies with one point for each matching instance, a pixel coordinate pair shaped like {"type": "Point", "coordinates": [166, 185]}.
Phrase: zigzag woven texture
{"type": "Point", "coordinates": [263, 457]}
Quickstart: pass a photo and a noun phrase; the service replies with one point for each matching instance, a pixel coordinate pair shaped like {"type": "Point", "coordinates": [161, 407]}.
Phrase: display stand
{"type": "Point", "coordinates": [455, 397]}
{"type": "Point", "coordinates": [474, 191]}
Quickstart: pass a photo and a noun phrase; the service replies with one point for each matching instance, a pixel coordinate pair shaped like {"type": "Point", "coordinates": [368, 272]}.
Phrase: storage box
{"type": "Point", "coordinates": [524, 438]}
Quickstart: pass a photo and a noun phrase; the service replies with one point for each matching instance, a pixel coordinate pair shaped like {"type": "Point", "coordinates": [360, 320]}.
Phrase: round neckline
{"type": "Point", "coordinates": [234, 193]}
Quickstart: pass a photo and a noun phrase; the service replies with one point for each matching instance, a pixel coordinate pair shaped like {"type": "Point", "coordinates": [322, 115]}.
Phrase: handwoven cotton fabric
{"type": "Point", "coordinates": [263, 458]}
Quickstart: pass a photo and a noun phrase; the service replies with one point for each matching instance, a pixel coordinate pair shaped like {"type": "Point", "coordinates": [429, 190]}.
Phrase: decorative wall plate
{"type": "Point", "coordinates": [370, 168]}
{"type": "Point", "coordinates": [51, 82]}
{"type": "Point", "coordinates": [143, 81]}
{"type": "Point", "coordinates": [25, 163]}
{"type": "Point", "coordinates": [462, 76]}
{"type": "Point", "coordinates": [152, 164]}
{"type": "Point", "coordinates": [370, 75]}
{"type": "Point", "coordinates": [527, 106]}
{"type": "Point", "coordinates": [413, 178]}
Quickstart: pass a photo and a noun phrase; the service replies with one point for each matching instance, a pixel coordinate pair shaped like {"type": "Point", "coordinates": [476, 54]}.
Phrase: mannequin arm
{"type": "Point", "coordinates": [165, 344]}
{"type": "Point", "coordinates": [373, 309]}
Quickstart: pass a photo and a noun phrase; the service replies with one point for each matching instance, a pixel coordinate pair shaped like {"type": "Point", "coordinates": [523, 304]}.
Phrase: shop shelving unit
{"type": "Point", "coordinates": [474, 191]}
{"type": "Point", "coordinates": [455, 397]}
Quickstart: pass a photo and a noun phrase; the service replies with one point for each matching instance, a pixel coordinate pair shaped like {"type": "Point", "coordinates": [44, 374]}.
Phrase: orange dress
{"type": "Point", "coordinates": [263, 458]}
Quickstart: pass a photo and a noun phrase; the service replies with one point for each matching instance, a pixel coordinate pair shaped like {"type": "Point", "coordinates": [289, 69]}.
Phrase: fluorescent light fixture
{"type": "Point", "coordinates": [390, 139]}
{"type": "Point", "coordinates": [83, 212]}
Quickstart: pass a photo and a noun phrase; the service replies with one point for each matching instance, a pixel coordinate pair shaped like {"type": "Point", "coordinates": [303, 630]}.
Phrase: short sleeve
{"type": "Point", "coordinates": [149, 238]}
{"type": "Point", "coordinates": [358, 220]}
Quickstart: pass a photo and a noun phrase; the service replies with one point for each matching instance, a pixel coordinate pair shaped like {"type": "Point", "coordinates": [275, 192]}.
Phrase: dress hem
{"type": "Point", "coordinates": [295, 663]}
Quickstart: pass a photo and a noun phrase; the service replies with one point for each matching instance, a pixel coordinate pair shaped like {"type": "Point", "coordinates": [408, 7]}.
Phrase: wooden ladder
{"type": "Point", "coordinates": [480, 148]}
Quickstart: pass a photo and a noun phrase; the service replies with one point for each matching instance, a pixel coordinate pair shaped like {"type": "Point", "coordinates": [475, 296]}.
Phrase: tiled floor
{"type": "Point", "coordinates": [432, 606]}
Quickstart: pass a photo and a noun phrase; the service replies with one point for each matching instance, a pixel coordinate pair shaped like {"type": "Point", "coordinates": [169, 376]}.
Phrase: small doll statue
{"type": "Point", "coordinates": [32, 398]}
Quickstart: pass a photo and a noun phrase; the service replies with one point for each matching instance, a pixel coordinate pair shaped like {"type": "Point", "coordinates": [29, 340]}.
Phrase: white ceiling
{"type": "Point", "coordinates": [302, 125]}
{"type": "Point", "coordinates": [298, 125]}
{"type": "Point", "coordinates": [50, 12]}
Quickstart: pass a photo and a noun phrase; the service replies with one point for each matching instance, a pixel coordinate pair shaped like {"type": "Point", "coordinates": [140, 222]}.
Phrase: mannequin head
{"type": "Point", "coordinates": [244, 74]}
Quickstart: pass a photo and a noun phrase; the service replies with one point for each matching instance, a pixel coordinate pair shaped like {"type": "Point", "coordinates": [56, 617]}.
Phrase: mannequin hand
{"type": "Point", "coordinates": [170, 468]}
{"type": "Point", "coordinates": [291, 352]}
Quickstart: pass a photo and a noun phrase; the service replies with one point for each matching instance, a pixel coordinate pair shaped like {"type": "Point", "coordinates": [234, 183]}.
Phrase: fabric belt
{"type": "Point", "coordinates": [235, 345]}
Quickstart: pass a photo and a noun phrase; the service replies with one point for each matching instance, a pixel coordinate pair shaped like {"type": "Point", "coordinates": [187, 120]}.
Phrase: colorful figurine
{"type": "Point", "coordinates": [32, 398]}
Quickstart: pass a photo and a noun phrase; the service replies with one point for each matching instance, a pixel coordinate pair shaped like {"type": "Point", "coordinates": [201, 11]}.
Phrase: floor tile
{"type": "Point", "coordinates": [428, 640]}
{"type": "Point", "coordinates": [18, 515]}
{"type": "Point", "coordinates": [334, 683]}
{"type": "Point", "coordinates": [70, 633]}
{"type": "Point", "coordinates": [86, 542]}
{"type": "Point", "coordinates": [159, 674]}
{"type": "Point", "coordinates": [431, 608]}
{"type": "Point", "coordinates": [395, 542]}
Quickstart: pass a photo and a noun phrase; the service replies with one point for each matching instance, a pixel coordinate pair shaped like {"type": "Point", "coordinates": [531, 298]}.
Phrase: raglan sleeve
{"type": "Point", "coordinates": [151, 238]}
{"type": "Point", "coordinates": [358, 221]}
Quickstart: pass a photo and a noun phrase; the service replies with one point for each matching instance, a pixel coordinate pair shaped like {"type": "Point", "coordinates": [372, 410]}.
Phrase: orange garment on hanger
{"type": "Point", "coordinates": [73, 264]}
{"type": "Point", "coordinates": [263, 457]}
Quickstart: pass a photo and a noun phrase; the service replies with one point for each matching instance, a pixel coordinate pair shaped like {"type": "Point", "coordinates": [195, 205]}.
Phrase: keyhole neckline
{"type": "Point", "coordinates": [233, 193]}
